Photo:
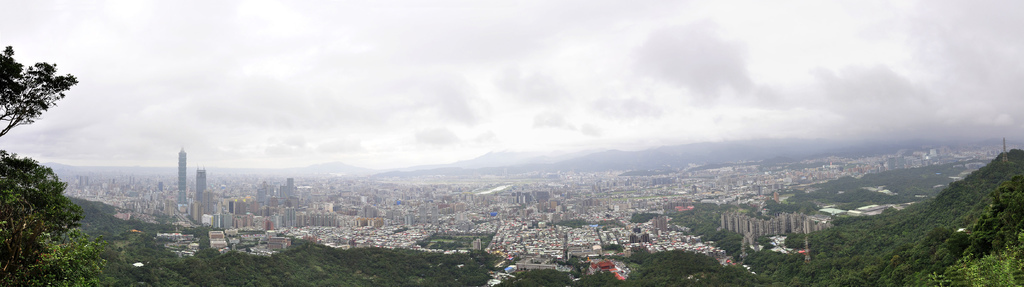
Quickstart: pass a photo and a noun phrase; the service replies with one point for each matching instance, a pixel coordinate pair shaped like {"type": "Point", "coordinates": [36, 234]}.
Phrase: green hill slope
{"type": "Point", "coordinates": [896, 248]}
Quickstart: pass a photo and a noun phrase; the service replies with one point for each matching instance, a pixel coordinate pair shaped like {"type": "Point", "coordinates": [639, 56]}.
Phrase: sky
{"type": "Point", "coordinates": [387, 84]}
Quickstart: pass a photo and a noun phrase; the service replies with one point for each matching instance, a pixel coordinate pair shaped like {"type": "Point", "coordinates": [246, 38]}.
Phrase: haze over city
{"type": "Point", "coordinates": [385, 84]}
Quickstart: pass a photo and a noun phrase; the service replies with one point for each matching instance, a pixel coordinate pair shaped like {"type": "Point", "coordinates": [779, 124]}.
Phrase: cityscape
{"type": "Point", "coordinates": [515, 215]}
{"type": "Point", "coordinates": [511, 143]}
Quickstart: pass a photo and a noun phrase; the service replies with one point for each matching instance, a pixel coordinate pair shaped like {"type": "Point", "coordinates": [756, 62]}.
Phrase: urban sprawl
{"type": "Point", "coordinates": [513, 215]}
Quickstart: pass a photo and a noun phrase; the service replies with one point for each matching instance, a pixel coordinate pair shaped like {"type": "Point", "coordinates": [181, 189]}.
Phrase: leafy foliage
{"type": "Point", "coordinates": [896, 248]}
{"type": "Point", "coordinates": [642, 217]}
{"type": "Point", "coordinates": [670, 268]}
{"type": "Point", "coordinates": [38, 241]}
{"type": "Point", "coordinates": [906, 183]}
{"type": "Point", "coordinates": [995, 253]}
{"type": "Point", "coordinates": [1004, 268]}
{"type": "Point", "coordinates": [98, 220]}
{"type": "Point", "coordinates": [305, 265]}
{"type": "Point", "coordinates": [545, 277]}
{"type": "Point", "coordinates": [681, 268]}
{"type": "Point", "coordinates": [26, 93]}
{"type": "Point", "coordinates": [999, 226]}
{"type": "Point", "coordinates": [801, 207]}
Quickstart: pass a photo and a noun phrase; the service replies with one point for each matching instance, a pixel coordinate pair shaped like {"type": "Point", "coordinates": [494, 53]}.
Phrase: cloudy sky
{"type": "Point", "coordinates": [383, 84]}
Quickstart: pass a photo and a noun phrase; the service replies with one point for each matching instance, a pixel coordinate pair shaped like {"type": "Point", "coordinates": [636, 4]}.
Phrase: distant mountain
{"type": "Point", "coordinates": [332, 168]}
{"type": "Point", "coordinates": [323, 168]}
{"type": "Point", "coordinates": [500, 159]}
{"type": "Point", "coordinates": [661, 158]}
{"type": "Point", "coordinates": [495, 159]}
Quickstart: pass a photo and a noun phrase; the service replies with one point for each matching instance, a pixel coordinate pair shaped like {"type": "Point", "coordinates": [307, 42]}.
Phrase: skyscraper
{"type": "Point", "coordinates": [289, 190]}
{"type": "Point", "coordinates": [261, 193]}
{"type": "Point", "coordinates": [181, 177]}
{"type": "Point", "coordinates": [200, 186]}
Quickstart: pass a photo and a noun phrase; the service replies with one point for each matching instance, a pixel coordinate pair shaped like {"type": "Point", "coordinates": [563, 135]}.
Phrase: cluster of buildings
{"type": "Point", "coordinates": [519, 212]}
{"type": "Point", "coordinates": [751, 228]}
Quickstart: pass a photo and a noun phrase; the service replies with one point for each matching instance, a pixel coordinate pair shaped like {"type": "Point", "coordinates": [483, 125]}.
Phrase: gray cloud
{"type": "Point", "coordinates": [436, 97]}
{"type": "Point", "coordinates": [629, 108]}
{"type": "Point", "coordinates": [551, 120]}
{"type": "Point", "coordinates": [437, 137]}
{"type": "Point", "coordinates": [341, 146]}
{"type": "Point", "coordinates": [590, 130]}
{"type": "Point", "coordinates": [856, 87]}
{"type": "Point", "coordinates": [533, 88]}
{"type": "Point", "coordinates": [486, 137]}
{"type": "Point", "coordinates": [284, 146]}
{"type": "Point", "coordinates": [695, 57]}
{"type": "Point", "coordinates": [235, 82]}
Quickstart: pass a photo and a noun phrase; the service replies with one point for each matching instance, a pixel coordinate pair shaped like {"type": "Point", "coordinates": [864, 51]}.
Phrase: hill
{"type": "Point", "coordinates": [896, 248]}
{"type": "Point", "coordinates": [665, 158]}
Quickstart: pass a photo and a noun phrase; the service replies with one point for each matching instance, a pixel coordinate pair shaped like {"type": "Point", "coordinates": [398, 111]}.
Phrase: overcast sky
{"type": "Point", "coordinates": [383, 84]}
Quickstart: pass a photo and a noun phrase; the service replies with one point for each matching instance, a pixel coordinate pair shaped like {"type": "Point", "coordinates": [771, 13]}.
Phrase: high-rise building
{"type": "Point", "coordinates": [200, 187]}
{"type": "Point", "coordinates": [368, 211]}
{"type": "Point", "coordinates": [289, 217]}
{"type": "Point", "coordinates": [241, 207]}
{"type": "Point", "coordinates": [181, 177]}
{"type": "Point", "coordinates": [261, 193]}
{"type": "Point", "coordinates": [288, 190]}
{"type": "Point", "coordinates": [196, 213]}
{"type": "Point", "coordinates": [661, 224]}
{"type": "Point", "coordinates": [209, 203]}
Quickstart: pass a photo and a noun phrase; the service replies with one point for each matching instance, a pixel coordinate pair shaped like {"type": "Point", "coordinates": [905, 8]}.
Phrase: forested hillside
{"type": "Point", "coordinates": [913, 246]}
{"type": "Point", "coordinates": [906, 184]}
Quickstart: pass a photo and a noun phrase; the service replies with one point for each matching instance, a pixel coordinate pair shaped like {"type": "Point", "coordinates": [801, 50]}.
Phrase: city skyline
{"type": "Point", "coordinates": [383, 85]}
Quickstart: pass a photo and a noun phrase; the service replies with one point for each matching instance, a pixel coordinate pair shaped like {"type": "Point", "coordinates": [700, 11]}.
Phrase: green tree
{"type": "Point", "coordinates": [26, 93]}
{"type": "Point", "coordinates": [999, 226]}
{"type": "Point", "coordinates": [39, 242]}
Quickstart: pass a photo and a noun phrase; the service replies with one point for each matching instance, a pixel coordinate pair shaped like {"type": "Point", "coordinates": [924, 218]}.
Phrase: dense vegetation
{"type": "Point", "coordinates": [545, 277]}
{"type": "Point", "coordinates": [642, 217]}
{"type": "Point", "coordinates": [39, 240]}
{"type": "Point", "coordinates": [99, 221]}
{"type": "Point", "coordinates": [995, 255]}
{"type": "Point", "coordinates": [907, 184]}
{"type": "Point", "coordinates": [896, 248]}
{"type": "Point", "coordinates": [680, 268]}
{"type": "Point", "coordinates": [773, 207]}
{"type": "Point", "coordinates": [671, 268]}
{"type": "Point", "coordinates": [307, 265]}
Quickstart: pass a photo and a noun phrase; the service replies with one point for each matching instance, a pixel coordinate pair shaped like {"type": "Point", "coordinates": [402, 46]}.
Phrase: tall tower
{"type": "Point", "coordinates": [291, 187]}
{"type": "Point", "coordinates": [200, 185]}
{"type": "Point", "coordinates": [1004, 151]}
{"type": "Point", "coordinates": [181, 177]}
{"type": "Point", "coordinates": [261, 194]}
